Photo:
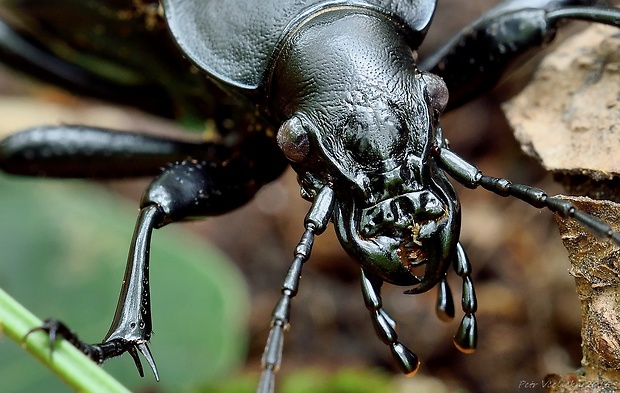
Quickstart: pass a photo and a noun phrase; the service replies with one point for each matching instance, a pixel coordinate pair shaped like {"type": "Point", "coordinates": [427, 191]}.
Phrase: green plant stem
{"type": "Point", "coordinates": [73, 367]}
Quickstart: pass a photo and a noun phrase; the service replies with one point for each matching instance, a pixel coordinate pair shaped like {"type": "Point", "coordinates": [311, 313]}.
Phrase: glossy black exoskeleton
{"type": "Point", "coordinates": [332, 86]}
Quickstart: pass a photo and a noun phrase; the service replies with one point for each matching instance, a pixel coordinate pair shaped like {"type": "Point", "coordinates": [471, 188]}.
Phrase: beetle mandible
{"type": "Point", "coordinates": [335, 89]}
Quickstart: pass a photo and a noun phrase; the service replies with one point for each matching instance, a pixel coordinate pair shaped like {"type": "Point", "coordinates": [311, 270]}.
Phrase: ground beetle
{"type": "Point", "coordinates": [333, 87]}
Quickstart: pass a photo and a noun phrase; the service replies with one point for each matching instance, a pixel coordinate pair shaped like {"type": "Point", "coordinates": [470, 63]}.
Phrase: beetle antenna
{"type": "Point", "coordinates": [470, 176]}
{"type": "Point", "coordinates": [315, 223]}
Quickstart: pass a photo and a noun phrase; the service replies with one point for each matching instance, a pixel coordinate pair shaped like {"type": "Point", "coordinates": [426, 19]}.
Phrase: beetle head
{"type": "Point", "coordinates": [365, 124]}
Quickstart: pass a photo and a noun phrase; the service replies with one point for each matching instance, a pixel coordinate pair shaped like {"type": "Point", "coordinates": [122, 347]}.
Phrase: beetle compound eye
{"type": "Point", "coordinates": [436, 91]}
{"type": "Point", "coordinates": [293, 140]}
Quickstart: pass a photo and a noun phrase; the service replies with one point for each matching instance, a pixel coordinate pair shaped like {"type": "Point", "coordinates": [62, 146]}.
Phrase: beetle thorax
{"type": "Point", "coordinates": [352, 77]}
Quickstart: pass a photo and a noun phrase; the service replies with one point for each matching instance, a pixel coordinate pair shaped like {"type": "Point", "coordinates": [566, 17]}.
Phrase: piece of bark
{"type": "Point", "coordinates": [595, 264]}
{"type": "Point", "coordinates": [569, 119]}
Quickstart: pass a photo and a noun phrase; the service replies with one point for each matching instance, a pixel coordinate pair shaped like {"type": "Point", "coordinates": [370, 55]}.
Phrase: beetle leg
{"type": "Point", "coordinates": [489, 49]}
{"type": "Point", "coordinates": [315, 223]}
{"type": "Point", "coordinates": [25, 53]}
{"type": "Point", "coordinates": [91, 152]}
{"type": "Point", "coordinates": [184, 190]}
{"type": "Point", "coordinates": [131, 327]}
{"type": "Point", "coordinates": [385, 325]}
{"type": "Point", "coordinates": [470, 176]}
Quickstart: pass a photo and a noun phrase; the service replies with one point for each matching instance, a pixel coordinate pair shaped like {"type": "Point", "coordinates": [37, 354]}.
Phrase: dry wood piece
{"type": "Point", "coordinates": [595, 264]}
{"type": "Point", "coordinates": [569, 115]}
{"type": "Point", "coordinates": [569, 119]}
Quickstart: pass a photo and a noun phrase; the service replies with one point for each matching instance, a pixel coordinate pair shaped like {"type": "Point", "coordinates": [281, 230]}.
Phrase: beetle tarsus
{"type": "Point", "coordinates": [99, 352]}
{"type": "Point", "coordinates": [56, 329]}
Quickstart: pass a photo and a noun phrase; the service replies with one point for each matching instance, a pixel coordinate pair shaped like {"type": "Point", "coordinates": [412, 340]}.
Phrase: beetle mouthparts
{"type": "Point", "coordinates": [412, 252]}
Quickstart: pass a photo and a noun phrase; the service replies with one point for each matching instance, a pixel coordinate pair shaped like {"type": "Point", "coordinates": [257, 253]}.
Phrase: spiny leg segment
{"type": "Point", "coordinates": [189, 188]}
{"type": "Point", "coordinates": [315, 223]}
{"type": "Point", "coordinates": [131, 327]}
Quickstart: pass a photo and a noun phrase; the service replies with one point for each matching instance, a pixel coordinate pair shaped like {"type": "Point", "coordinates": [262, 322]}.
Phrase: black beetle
{"type": "Point", "coordinates": [334, 87]}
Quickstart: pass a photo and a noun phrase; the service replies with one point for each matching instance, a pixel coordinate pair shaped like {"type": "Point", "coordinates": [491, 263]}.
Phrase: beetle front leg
{"type": "Point", "coordinates": [131, 327]}
{"type": "Point", "coordinates": [220, 180]}
{"type": "Point", "coordinates": [184, 190]}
